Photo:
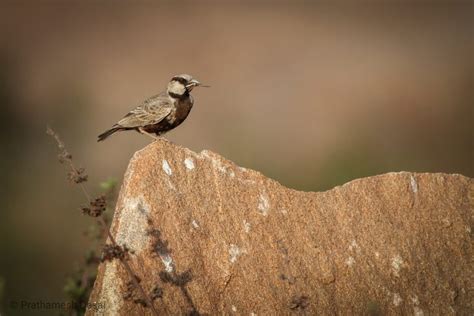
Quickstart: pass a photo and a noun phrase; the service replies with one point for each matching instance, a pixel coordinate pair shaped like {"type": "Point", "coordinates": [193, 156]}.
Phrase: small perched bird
{"type": "Point", "coordinates": [160, 113]}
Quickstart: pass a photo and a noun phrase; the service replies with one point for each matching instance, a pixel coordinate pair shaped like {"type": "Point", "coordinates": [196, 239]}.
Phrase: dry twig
{"type": "Point", "coordinates": [95, 208]}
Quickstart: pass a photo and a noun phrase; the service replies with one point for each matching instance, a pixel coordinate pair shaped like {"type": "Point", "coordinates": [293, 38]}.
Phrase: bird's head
{"type": "Point", "coordinates": [181, 85]}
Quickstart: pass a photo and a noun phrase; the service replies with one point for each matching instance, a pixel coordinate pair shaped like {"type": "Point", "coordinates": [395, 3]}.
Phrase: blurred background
{"type": "Point", "coordinates": [312, 95]}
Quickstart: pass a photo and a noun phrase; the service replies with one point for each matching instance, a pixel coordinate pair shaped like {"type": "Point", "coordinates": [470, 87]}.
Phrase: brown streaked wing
{"type": "Point", "coordinates": [151, 111]}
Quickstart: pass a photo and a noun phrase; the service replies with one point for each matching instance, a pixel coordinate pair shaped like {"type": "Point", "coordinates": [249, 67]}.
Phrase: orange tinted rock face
{"type": "Point", "coordinates": [214, 238]}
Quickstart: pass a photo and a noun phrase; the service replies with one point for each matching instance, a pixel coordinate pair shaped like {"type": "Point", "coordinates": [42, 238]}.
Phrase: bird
{"type": "Point", "coordinates": [159, 113]}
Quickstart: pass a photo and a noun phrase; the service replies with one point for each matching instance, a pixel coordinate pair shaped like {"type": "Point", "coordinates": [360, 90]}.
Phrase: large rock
{"type": "Point", "coordinates": [220, 239]}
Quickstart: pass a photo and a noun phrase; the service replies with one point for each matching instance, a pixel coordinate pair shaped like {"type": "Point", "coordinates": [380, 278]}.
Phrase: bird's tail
{"type": "Point", "coordinates": [107, 133]}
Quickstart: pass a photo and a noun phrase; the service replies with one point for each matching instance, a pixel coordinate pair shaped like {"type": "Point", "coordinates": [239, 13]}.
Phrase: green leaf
{"type": "Point", "coordinates": [109, 184]}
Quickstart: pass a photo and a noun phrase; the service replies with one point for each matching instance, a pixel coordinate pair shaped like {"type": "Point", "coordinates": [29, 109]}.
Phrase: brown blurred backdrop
{"type": "Point", "coordinates": [312, 95]}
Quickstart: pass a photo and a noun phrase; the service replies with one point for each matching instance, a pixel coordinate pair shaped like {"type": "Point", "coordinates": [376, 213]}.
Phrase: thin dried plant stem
{"type": "Point", "coordinates": [101, 220]}
{"type": "Point", "coordinates": [83, 188]}
{"type": "Point", "coordinates": [124, 262]}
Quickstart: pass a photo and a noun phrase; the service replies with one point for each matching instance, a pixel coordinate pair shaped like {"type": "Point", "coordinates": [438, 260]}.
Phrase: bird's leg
{"type": "Point", "coordinates": [156, 138]}
{"type": "Point", "coordinates": [142, 131]}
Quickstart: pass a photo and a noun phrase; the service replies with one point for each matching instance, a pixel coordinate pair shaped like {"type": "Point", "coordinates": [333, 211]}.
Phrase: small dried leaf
{"type": "Point", "coordinates": [96, 207]}
{"type": "Point", "coordinates": [77, 175]}
{"type": "Point", "coordinates": [111, 252]}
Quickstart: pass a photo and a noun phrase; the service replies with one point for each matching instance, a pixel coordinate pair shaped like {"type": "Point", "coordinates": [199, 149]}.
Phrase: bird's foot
{"type": "Point", "coordinates": [161, 138]}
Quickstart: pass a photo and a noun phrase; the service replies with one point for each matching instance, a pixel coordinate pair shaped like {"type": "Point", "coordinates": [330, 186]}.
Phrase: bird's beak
{"type": "Point", "coordinates": [194, 83]}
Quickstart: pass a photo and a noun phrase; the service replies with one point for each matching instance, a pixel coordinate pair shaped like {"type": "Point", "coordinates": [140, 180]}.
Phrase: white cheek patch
{"type": "Point", "coordinates": [176, 88]}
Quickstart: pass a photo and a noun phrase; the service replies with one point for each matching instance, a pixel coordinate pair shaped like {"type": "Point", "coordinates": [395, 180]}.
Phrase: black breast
{"type": "Point", "coordinates": [175, 118]}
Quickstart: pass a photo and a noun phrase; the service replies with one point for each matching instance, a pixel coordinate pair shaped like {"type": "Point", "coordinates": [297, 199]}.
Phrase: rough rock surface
{"type": "Point", "coordinates": [215, 238]}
